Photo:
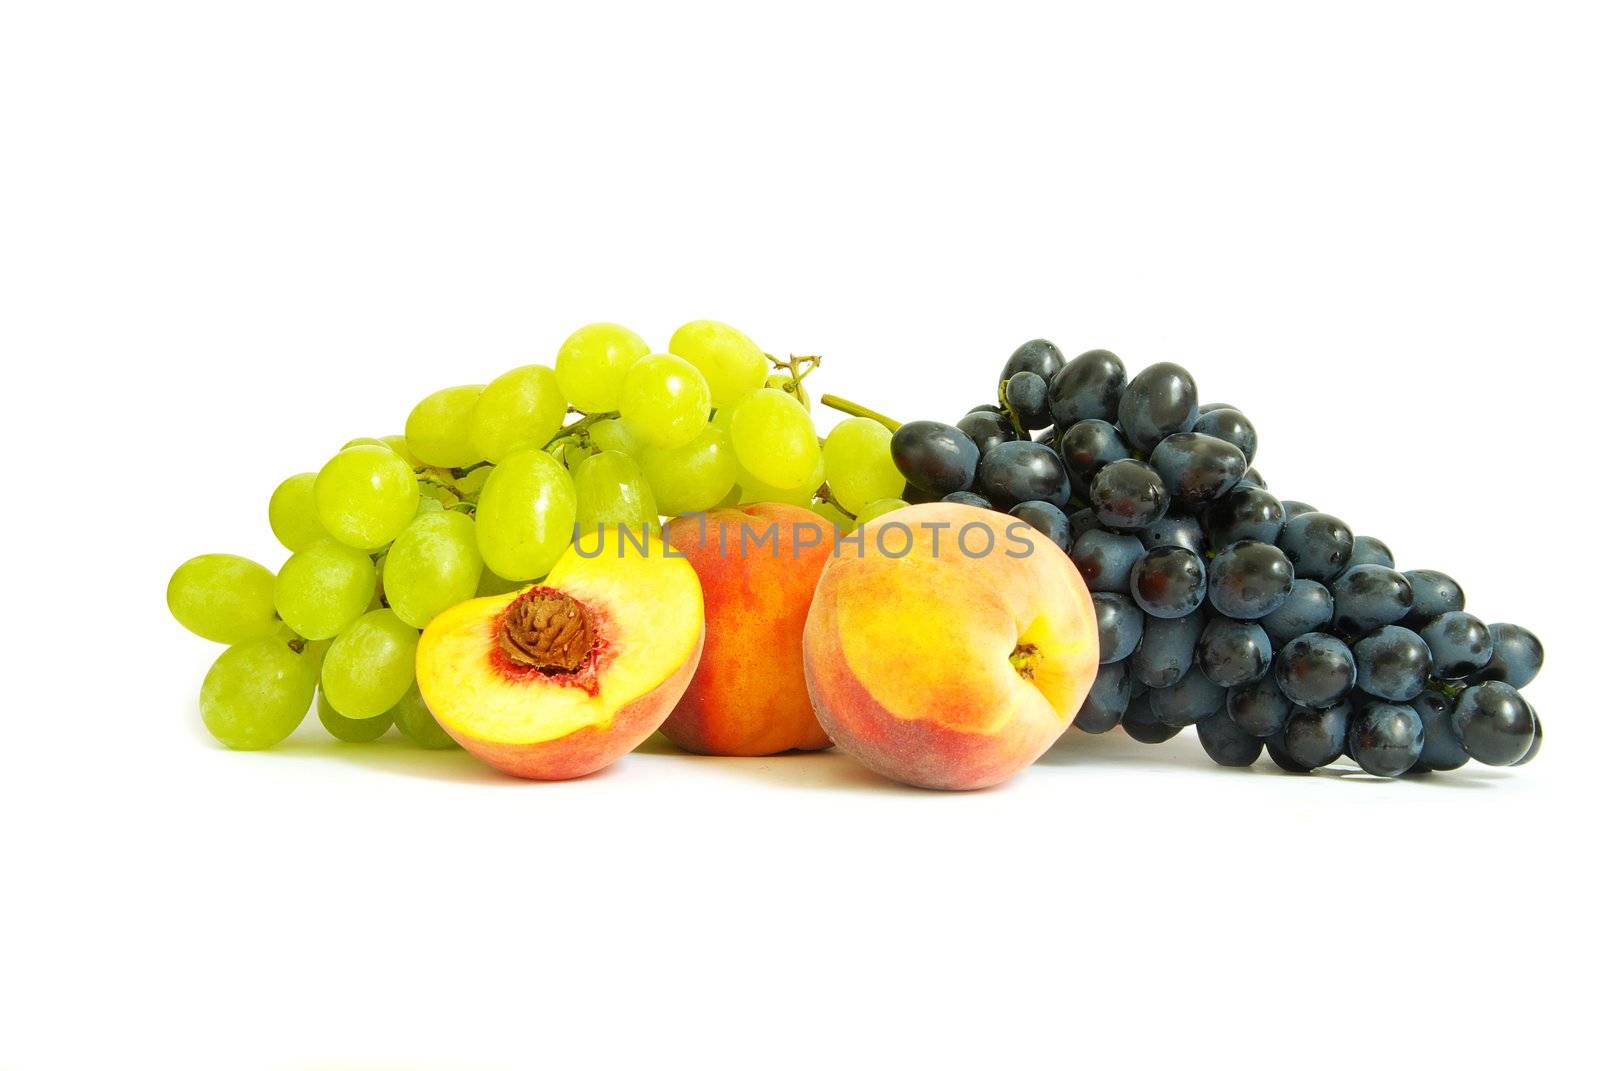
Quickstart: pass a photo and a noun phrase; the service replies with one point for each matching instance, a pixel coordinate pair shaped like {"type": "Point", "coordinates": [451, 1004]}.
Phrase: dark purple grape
{"type": "Point", "coordinates": [1278, 752]}
{"type": "Point", "coordinates": [1174, 530]}
{"type": "Point", "coordinates": [1315, 670]}
{"type": "Point", "coordinates": [986, 407]}
{"type": "Point", "coordinates": [1233, 652]}
{"type": "Point", "coordinates": [1432, 594]}
{"type": "Point", "coordinates": [1194, 697]}
{"type": "Point", "coordinates": [913, 495]}
{"type": "Point", "coordinates": [1460, 643]}
{"type": "Point", "coordinates": [1140, 722]}
{"type": "Point", "coordinates": [1318, 545]}
{"type": "Point", "coordinates": [1393, 663]}
{"type": "Point", "coordinates": [1441, 747]}
{"type": "Point", "coordinates": [1494, 722]}
{"type": "Point", "coordinates": [1226, 743]}
{"type": "Point", "coordinates": [1046, 435]}
{"type": "Point", "coordinates": [1087, 447]}
{"type": "Point", "coordinates": [1259, 707]}
{"type": "Point", "coordinates": [1107, 700]}
{"type": "Point", "coordinates": [1366, 597]}
{"type": "Point", "coordinates": [1252, 478]}
{"type": "Point", "coordinates": [1385, 739]}
{"type": "Point", "coordinates": [1128, 494]}
{"type": "Point", "coordinates": [1044, 518]}
{"type": "Point", "coordinates": [1308, 608]}
{"type": "Point", "coordinates": [1029, 398]}
{"type": "Point", "coordinates": [1167, 650]}
{"type": "Point", "coordinates": [1212, 407]}
{"type": "Point", "coordinates": [1197, 469]}
{"type": "Point", "coordinates": [1082, 521]}
{"type": "Point", "coordinates": [1229, 425]}
{"type": "Point", "coordinates": [1315, 737]}
{"type": "Point", "coordinates": [967, 498]}
{"type": "Point", "coordinates": [1250, 580]}
{"type": "Point", "coordinates": [1243, 513]}
{"type": "Point", "coordinates": [1168, 582]}
{"type": "Point", "coordinates": [1089, 387]}
{"type": "Point", "coordinates": [1039, 356]}
{"type": "Point", "coordinates": [1538, 740]}
{"type": "Point", "coordinates": [1106, 558]}
{"type": "Point", "coordinates": [1159, 401]}
{"type": "Point", "coordinates": [1121, 625]}
{"type": "Point", "coordinates": [934, 457]}
{"type": "Point", "coordinates": [1517, 658]}
{"type": "Point", "coordinates": [986, 430]}
{"type": "Point", "coordinates": [1370, 550]}
{"type": "Point", "coordinates": [1293, 509]}
{"type": "Point", "coordinates": [1023, 472]}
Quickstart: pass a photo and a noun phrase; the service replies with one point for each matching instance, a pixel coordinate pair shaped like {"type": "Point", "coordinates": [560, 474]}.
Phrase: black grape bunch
{"type": "Point", "coordinates": [1264, 623]}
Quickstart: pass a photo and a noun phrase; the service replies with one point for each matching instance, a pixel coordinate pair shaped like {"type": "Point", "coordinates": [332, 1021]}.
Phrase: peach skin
{"type": "Point", "coordinates": [953, 649]}
{"type": "Point", "coordinates": [748, 697]}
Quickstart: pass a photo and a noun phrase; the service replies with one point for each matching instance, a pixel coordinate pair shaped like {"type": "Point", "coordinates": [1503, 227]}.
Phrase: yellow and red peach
{"type": "Point", "coordinates": [758, 567]}
{"type": "Point", "coordinates": [564, 677]}
{"type": "Point", "coordinates": [951, 648]}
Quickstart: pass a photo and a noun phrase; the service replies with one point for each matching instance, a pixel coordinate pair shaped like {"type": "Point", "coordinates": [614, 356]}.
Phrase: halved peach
{"type": "Point", "coordinates": [564, 677]}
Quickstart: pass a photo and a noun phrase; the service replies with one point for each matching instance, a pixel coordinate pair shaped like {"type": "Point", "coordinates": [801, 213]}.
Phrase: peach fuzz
{"type": "Point", "coordinates": [564, 677]}
{"type": "Point", "coordinates": [749, 695]}
{"type": "Point", "coordinates": [947, 669]}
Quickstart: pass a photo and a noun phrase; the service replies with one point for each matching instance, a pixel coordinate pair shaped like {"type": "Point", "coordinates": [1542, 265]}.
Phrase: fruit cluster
{"type": "Point", "coordinates": [482, 494]}
{"type": "Point", "coordinates": [1263, 623]}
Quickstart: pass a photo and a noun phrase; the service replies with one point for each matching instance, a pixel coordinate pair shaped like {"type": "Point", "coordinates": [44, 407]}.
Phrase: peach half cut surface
{"type": "Point", "coordinates": [564, 677]}
{"type": "Point", "coordinates": [952, 648]}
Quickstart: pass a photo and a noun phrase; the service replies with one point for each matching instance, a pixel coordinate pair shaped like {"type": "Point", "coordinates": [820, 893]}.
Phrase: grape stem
{"type": "Point", "coordinates": [1011, 414]}
{"type": "Point", "coordinates": [844, 405]}
{"type": "Point", "coordinates": [825, 494]}
{"type": "Point", "coordinates": [577, 431]}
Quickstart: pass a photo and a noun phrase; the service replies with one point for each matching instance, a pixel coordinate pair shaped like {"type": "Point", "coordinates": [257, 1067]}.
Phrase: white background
{"type": "Point", "coordinates": [235, 236]}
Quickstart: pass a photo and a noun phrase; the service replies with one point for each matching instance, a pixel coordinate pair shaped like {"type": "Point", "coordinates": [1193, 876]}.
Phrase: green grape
{"type": "Point", "coordinates": [439, 429]}
{"type": "Point", "coordinates": [878, 509]}
{"type": "Point", "coordinates": [613, 434]}
{"type": "Point", "coordinates": [574, 453]}
{"type": "Point", "coordinates": [732, 364]}
{"type": "Point", "coordinates": [524, 407]}
{"type": "Point", "coordinates": [791, 386]}
{"type": "Point", "coordinates": [753, 490]}
{"type": "Point", "coordinates": [692, 477]}
{"type": "Point", "coordinates": [612, 494]}
{"type": "Point", "coordinates": [665, 400]}
{"type": "Point", "coordinates": [370, 665]}
{"type": "Point", "coordinates": [471, 485]}
{"type": "Point", "coordinates": [432, 565]}
{"type": "Point", "coordinates": [857, 463]}
{"type": "Point", "coordinates": [351, 730]}
{"type": "Point", "coordinates": [398, 444]}
{"type": "Point", "coordinates": [292, 512]}
{"type": "Point", "coordinates": [832, 514]}
{"type": "Point", "coordinates": [774, 439]}
{"type": "Point", "coordinates": [366, 495]}
{"type": "Point", "coordinates": [364, 441]}
{"type": "Point", "coordinates": [323, 588]}
{"type": "Point", "coordinates": [491, 584]}
{"type": "Point", "coordinates": [416, 723]}
{"type": "Point", "coordinates": [223, 598]}
{"type": "Point", "coordinates": [438, 494]}
{"type": "Point", "coordinates": [525, 515]}
{"type": "Point", "coordinates": [723, 418]}
{"type": "Point", "coordinates": [591, 363]}
{"type": "Point", "coordinates": [257, 693]}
